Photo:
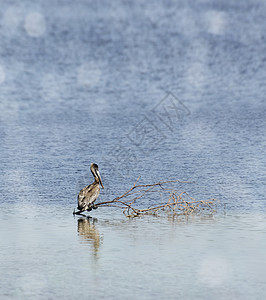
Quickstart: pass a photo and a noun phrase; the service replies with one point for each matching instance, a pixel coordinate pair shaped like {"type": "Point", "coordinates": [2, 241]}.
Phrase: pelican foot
{"type": "Point", "coordinates": [78, 213]}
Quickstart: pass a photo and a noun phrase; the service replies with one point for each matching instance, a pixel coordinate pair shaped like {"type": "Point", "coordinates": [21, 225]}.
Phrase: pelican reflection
{"type": "Point", "coordinates": [89, 233]}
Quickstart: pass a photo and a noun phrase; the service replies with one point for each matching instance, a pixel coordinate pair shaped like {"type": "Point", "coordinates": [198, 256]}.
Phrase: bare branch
{"type": "Point", "coordinates": [176, 203]}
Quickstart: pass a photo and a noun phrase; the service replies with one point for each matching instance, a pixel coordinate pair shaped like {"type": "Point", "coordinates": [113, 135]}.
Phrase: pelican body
{"type": "Point", "coordinates": [90, 193]}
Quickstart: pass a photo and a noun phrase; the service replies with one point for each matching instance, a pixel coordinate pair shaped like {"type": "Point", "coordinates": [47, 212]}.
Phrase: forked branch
{"type": "Point", "coordinates": [172, 201]}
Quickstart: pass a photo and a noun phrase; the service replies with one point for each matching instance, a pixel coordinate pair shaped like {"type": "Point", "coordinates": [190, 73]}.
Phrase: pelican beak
{"type": "Point", "coordinates": [99, 177]}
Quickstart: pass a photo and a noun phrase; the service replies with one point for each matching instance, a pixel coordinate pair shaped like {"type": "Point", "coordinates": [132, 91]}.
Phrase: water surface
{"type": "Point", "coordinates": [165, 90]}
{"type": "Point", "coordinates": [51, 254]}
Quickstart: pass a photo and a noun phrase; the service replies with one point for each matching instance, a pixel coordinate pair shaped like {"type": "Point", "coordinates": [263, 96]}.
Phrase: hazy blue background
{"type": "Point", "coordinates": [165, 90]}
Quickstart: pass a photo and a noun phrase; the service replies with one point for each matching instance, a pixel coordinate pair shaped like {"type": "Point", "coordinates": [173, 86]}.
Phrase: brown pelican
{"type": "Point", "coordinates": [90, 193]}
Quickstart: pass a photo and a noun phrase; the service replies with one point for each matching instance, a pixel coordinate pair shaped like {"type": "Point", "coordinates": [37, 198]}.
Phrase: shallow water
{"type": "Point", "coordinates": [50, 254]}
{"type": "Point", "coordinates": [174, 90]}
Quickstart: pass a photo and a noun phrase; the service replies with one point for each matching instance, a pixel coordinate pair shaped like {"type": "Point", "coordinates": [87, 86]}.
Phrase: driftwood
{"type": "Point", "coordinates": [175, 203]}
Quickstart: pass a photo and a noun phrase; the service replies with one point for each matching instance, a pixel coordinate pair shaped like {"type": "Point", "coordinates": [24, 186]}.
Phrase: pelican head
{"type": "Point", "coordinates": [95, 172]}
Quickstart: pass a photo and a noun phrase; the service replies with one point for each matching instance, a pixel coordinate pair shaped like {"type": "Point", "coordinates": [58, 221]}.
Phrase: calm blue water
{"type": "Point", "coordinates": [165, 90]}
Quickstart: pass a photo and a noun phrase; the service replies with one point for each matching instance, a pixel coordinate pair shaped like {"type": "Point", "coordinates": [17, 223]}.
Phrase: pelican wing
{"type": "Point", "coordinates": [87, 196]}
